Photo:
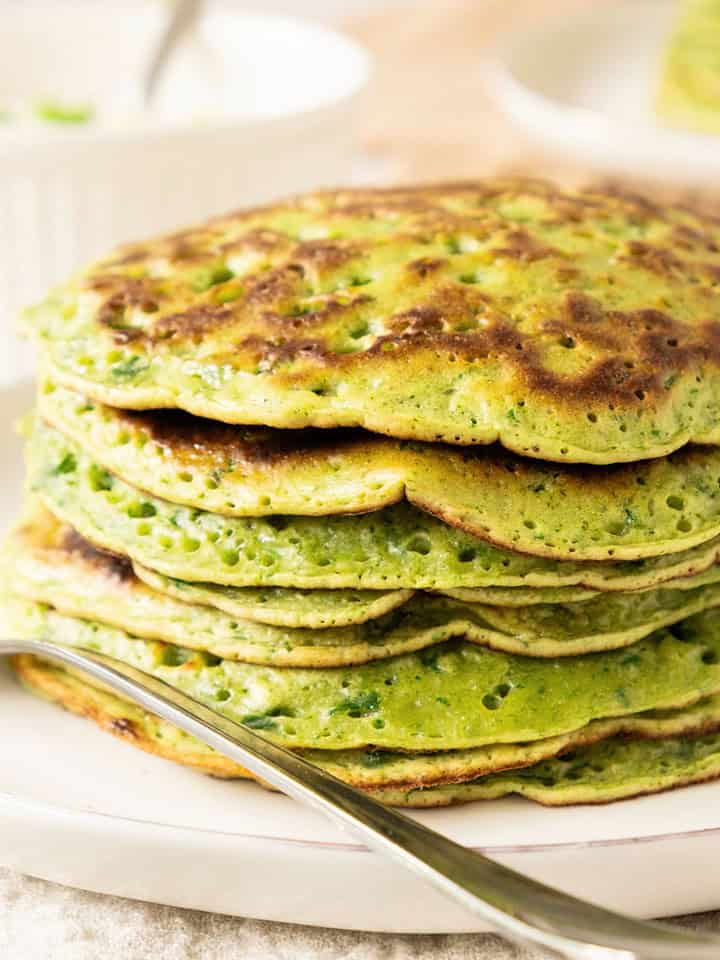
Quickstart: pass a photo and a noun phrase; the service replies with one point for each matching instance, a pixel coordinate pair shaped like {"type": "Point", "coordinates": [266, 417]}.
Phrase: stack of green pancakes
{"type": "Point", "coordinates": [421, 483]}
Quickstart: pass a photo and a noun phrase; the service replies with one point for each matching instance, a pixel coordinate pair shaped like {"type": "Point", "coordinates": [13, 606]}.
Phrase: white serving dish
{"type": "Point", "coordinates": [286, 91]}
{"type": "Point", "coordinates": [80, 808]}
{"type": "Point", "coordinates": [584, 83]}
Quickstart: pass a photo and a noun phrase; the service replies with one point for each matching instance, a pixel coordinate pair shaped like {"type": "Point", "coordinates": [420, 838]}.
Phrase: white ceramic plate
{"type": "Point", "coordinates": [584, 83]}
{"type": "Point", "coordinates": [80, 808]}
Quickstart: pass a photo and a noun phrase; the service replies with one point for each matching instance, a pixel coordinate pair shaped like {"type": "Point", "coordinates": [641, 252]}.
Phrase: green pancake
{"type": "Point", "coordinates": [564, 512]}
{"type": "Point", "coordinates": [397, 775]}
{"type": "Point", "coordinates": [451, 697]}
{"type": "Point", "coordinates": [613, 770]}
{"type": "Point", "coordinates": [233, 599]}
{"type": "Point", "coordinates": [298, 608]}
{"type": "Point", "coordinates": [526, 597]}
{"type": "Point", "coordinates": [567, 325]}
{"type": "Point", "coordinates": [398, 547]}
{"type": "Point", "coordinates": [689, 94]}
{"type": "Point", "coordinates": [280, 607]}
{"type": "Point", "coordinates": [51, 564]}
{"type": "Point", "coordinates": [322, 608]}
{"type": "Point", "coordinates": [41, 550]}
{"type": "Point", "coordinates": [520, 596]}
{"type": "Point", "coordinates": [62, 570]}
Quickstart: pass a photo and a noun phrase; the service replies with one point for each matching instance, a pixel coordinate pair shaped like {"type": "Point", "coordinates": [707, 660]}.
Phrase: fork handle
{"type": "Point", "coordinates": [522, 909]}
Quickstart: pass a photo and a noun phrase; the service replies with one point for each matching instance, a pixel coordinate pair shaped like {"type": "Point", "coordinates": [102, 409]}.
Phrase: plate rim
{"type": "Point", "coordinates": [106, 819]}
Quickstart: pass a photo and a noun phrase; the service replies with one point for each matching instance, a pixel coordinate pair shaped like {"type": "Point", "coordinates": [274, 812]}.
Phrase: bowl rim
{"type": "Point", "coordinates": [608, 143]}
{"type": "Point", "coordinates": [153, 128]}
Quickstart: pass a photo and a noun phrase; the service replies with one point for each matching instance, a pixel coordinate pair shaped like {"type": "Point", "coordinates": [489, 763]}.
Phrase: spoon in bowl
{"type": "Point", "coordinates": [185, 14]}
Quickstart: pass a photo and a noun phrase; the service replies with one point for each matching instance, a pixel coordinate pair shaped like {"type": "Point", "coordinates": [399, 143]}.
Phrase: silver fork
{"type": "Point", "coordinates": [520, 908]}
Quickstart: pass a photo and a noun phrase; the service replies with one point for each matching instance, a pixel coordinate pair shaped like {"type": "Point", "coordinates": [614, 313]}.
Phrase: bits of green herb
{"type": "Point", "coordinates": [55, 111]}
{"type": "Point", "coordinates": [128, 369]}
{"type": "Point", "coordinates": [377, 758]}
{"type": "Point", "coordinates": [259, 721]}
{"type": "Point", "coordinates": [68, 464]}
{"type": "Point", "coordinates": [99, 479]}
{"type": "Point", "coordinates": [210, 277]}
{"type": "Point", "coordinates": [361, 705]}
{"type": "Point", "coordinates": [175, 656]}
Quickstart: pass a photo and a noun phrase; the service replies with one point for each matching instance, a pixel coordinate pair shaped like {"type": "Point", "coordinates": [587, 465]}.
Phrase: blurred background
{"type": "Point", "coordinates": [265, 98]}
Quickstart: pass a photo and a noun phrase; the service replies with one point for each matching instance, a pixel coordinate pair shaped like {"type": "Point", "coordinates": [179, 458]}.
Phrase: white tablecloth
{"type": "Point", "coordinates": [42, 921]}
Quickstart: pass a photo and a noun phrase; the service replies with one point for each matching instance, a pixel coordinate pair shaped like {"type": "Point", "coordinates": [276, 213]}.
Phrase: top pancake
{"type": "Point", "coordinates": [568, 326]}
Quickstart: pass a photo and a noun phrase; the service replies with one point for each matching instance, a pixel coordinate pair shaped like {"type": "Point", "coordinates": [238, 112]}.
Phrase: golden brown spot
{"type": "Point", "coordinates": [567, 274]}
{"type": "Point", "coordinates": [128, 256]}
{"type": "Point", "coordinates": [272, 354]}
{"type": "Point", "coordinates": [189, 325]}
{"type": "Point", "coordinates": [425, 266]}
{"type": "Point", "coordinates": [260, 240]}
{"type": "Point", "coordinates": [277, 288]}
{"type": "Point", "coordinates": [418, 322]}
{"type": "Point", "coordinates": [112, 565]}
{"type": "Point", "coordinates": [659, 260]}
{"type": "Point", "coordinates": [123, 294]}
{"type": "Point", "coordinates": [325, 254]}
{"type": "Point", "coordinates": [690, 238]}
{"type": "Point", "coordinates": [123, 727]}
{"type": "Point", "coordinates": [520, 245]}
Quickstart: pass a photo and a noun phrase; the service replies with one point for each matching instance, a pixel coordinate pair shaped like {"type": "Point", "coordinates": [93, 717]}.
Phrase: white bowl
{"type": "Point", "coordinates": [585, 83]}
{"type": "Point", "coordinates": [282, 122]}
